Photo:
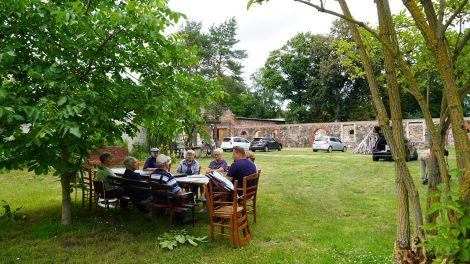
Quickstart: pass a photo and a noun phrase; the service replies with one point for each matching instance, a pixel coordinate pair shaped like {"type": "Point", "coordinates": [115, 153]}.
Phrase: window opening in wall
{"type": "Point", "coordinates": [351, 132]}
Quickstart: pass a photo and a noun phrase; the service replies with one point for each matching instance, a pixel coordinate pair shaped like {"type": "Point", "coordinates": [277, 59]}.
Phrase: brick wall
{"type": "Point", "coordinates": [118, 153]}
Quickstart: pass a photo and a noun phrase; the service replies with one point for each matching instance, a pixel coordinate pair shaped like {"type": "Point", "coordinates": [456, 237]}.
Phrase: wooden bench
{"type": "Point", "coordinates": [163, 197]}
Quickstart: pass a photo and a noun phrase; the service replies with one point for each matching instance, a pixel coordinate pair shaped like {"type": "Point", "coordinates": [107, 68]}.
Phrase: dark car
{"type": "Point", "coordinates": [382, 151]}
{"type": "Point", "coordinates": [264, 143]}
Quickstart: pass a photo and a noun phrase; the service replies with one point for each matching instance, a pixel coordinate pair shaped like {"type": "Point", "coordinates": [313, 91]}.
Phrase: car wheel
{"type": "Point", "coordinates": [330, 149]}
{"type": "Point", "coordinates": [374, 158]}
{"type": "Point", "coordinates": [344, 149]}
{"type": "Point", "coordinates": [254, 150]}
{"type": "Point", "coordinates": [266, 149]}
{"type": "Point", "coordinates": [279, 147]}
{"type": "Point", "coordinates": [315, 150]}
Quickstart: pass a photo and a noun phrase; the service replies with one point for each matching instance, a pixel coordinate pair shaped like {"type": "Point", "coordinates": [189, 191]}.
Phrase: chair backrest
{"type": "Point", "coordinates": [199, 170]}
{"type": "Point", "coordinates": [99, 188]}
{"type": "Point", "coordinates": [129, 184]}
{"type": "Point", "coordinates": [217, 198]}
{"type": "Point", "coordinates": [250, 185]}
{"type": "Point", "coordinates": [87, 176]}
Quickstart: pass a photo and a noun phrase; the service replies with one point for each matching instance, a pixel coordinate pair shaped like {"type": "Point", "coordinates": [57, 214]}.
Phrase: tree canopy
{"type": "Point", "coordinates": [77, 74]}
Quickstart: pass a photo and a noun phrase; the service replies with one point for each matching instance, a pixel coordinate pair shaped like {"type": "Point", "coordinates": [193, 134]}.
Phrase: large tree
{"type": "Point", "coordinates": [433, 21]}
{"type": "Point", "coordinates": [77, 74]}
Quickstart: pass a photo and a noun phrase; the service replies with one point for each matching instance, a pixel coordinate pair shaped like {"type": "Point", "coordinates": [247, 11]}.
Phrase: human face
{"type": "Point", "coordinates": [135, 166]}
{"type": "Point", "coordinates": [108, 162]}
{"type": "Point", "coordinates": [237, 156]}
{"type": "Point", "coordinates": [155, 154]}
{"type": "Point", "coordinates": [218, 157]}
{"type": "Point", "coordinates": [189, 157]}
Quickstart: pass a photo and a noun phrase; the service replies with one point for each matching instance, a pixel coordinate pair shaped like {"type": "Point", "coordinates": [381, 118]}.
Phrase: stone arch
{"type": "Point", "coordinates": [258, 133]}
{"type": "Point", "coordinates": [274, 133]}
{"type": "Point", "coordinates": [243, 133]}
{"type": "Point", "coordinates": [319, 130]}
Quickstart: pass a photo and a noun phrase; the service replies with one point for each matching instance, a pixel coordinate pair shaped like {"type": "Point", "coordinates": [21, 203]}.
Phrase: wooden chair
{"type": "Point", "coordinates": [164, 198]}
{"type": "Point", "coordinates": [248, 198]}
{"type": "Point", "coordinates": [86, 178]}
{"type": "Point", "coordinates": [223, 208]}
{"type": "Point", "coordinates": [101, 194]}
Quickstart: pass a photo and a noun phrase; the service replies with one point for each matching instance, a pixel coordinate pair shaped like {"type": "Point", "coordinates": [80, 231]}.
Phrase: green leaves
{"type": "Point", "coordinates": [173, 238]}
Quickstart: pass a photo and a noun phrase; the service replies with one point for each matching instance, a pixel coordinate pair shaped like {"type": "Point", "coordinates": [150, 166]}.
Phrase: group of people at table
{"type": "Point", "coordinates": [159, 166]}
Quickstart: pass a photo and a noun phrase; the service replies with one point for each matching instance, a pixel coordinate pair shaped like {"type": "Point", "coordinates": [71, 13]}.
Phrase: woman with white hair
{"type": "Point", "coordinates": [218, 164]}
{"type": "Point", "coordinates": [189, 165]}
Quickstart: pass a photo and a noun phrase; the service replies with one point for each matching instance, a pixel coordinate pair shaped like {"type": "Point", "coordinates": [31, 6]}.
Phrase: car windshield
{"type": "Point", "coordinates": [226, 140]}
{"type": "Point", "coordinates": [257, 139]}
{"type": "Point", "coordinates": [319, 138]}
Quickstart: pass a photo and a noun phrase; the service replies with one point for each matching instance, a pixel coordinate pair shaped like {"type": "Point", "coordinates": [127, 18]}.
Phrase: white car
{"type": "Point", "coordinates": [328, 144]}
{"type": "Point", "coordinates": [229, 142]}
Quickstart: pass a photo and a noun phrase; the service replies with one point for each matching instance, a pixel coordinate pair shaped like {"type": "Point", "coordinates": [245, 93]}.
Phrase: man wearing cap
{"type": "Point", "coordinates": [241, 167]}
{"type": "Point", "coordinates": [150, 164]}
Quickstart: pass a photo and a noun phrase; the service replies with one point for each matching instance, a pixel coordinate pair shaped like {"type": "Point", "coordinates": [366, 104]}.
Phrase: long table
{"type": "Point", "coordinates": [180, 177]}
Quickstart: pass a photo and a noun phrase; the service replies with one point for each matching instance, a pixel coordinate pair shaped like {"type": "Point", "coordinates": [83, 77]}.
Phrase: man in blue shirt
{"type": "Point", "coordinates": [150, 164]}
{"type": "Point", "coordinates": [161, 174]}
{"type": "Point", "coordinates": [241, 167]}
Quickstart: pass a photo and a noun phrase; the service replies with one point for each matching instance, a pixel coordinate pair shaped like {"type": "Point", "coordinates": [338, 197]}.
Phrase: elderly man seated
{"type": "Point", "coordinates": [139, 199]}
{"type": "Point", "coordinates": [189, 165]}
{"type": "Point", "coordinates": [149, 164]}
{"type": "Point", "coordinates": [218, 164]}
{"type": "Point", "coordinates": [161, 175]}
{"type": "Point", "coordinates": [102, 174]}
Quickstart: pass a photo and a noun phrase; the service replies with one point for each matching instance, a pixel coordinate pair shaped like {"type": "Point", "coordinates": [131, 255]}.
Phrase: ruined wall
{"type": "Point", "coordinates": [351, 133]}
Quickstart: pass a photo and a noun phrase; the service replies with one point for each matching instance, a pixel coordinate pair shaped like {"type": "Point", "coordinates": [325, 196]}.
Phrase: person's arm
{"type": "Point", "coordinates": [148, 165]}
{"type": "Point", "coordinates": [179, 169]}
{"type": "Point", "coordinates": [231, 172]}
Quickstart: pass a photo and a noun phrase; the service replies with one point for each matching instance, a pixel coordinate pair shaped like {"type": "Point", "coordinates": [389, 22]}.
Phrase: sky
{"type": "Point", "coordinates": [267, 27]}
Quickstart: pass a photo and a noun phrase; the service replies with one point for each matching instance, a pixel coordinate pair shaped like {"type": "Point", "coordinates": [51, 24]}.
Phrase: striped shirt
{"type": "Point", "coordinates": [164, 177]}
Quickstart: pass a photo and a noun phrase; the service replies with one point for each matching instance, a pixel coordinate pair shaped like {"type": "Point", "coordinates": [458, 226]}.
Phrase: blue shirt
{"type": "Point", "coordinates": [189, 169]}
{"type": "Point", "coordinates": [240, 169]}
{"type": "Point", "coordinates": [151, 162]}
{"type": "Point", "coordinates": [164, 177]}
{"type": "Point", "coordinates": [217, 165]}
{"type": "Point", "coordinates": [135, 196]}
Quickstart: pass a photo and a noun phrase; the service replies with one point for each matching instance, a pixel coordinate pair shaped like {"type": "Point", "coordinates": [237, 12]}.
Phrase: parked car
{"type": "Point", "coordinates": [328, 144]}
{"type": "Point", "coordinates": [229, 142]}
{"type": "Point", "coordinates": [382, 151]}
{"type": "Point", "coordinates": [264, 143]}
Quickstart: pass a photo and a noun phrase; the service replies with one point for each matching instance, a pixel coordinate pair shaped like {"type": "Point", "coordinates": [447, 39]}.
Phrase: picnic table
{"type": "Point", "coordinates": [199, 180]}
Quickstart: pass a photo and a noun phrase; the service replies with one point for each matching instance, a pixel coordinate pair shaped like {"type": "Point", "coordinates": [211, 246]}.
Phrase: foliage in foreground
{"type": "Point", "coordinates": [448, 240]}
{"type": "Point", "coordinates": [174, 238]}
{"type": "Point", "coordinates": [16, 214]}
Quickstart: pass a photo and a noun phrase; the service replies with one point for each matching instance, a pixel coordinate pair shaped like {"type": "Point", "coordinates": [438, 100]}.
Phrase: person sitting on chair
{"type": "Point", "coordinates": [161, 174]}
{"type": "Point", "coordinates": [218, 164]}
{"type": "Point", "coordinates": [149, 164]}
{"type": "Point", "coordinates": [250, 156]}
{"type": "Point", "coordinates": [102, 175]}
{"type": "Point", "coordinates": [241, 167]}
{"type": "Point", "coordinates": [137, 198]}
{"type": "Point", "coordinates": [189, 165]}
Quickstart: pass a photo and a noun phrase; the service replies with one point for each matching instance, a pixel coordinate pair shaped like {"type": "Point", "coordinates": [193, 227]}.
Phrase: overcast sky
{"type": "Point", "coordinates": [267, 27]}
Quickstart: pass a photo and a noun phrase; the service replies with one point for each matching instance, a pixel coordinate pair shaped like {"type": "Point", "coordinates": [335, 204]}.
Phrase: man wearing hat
{"type": "Point", "coordinates": [150, 164]}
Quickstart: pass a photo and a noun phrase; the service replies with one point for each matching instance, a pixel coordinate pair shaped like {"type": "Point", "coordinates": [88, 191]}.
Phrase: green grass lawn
{"type": "Point", "coordinates": [312, 208]}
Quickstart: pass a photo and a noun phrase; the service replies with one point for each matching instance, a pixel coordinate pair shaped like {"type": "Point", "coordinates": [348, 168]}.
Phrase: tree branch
{"type": "Point", "coordinates": [322, 9]}
{"type": "Point", "coordinates": [87, 7]}
{"type": "Point", "coordinates": [461, 45]}
{"type": "Point", "coordinates": [455, 14]}
{"type": "Point", "coordinates": [442, 8]}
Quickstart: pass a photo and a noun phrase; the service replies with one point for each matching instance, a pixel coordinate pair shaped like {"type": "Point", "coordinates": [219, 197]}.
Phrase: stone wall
{"type": "Point", "coordinates": [118, 153]}
{"type": "Point", "coordinates": [351, 133]}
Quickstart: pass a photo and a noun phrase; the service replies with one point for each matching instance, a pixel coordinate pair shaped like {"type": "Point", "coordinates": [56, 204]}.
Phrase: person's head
{"type": "Point", "coordinates": [238, 153]}
{"type": "Point", "coordinates": [106, 159]}
{"type": "Point", "coordinates": [162, 162]}
{"type": "Point", "coordinates": [154, 152]}
{"type": "Point", "coordinates": [190, 155]}
{"type": "Point", "coordinates": [218, 154]}
{"type": "Point", "coordinates": [131, 163]}
{"type": "Point", "coordinates": [250, 155]}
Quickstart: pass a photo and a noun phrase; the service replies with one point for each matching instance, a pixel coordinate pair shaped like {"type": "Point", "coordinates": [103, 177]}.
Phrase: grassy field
{"type": "Point", "coordinates": [312, 208]}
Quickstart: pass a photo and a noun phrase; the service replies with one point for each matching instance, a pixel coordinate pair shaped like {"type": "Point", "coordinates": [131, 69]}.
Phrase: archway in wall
{"type": "Point", "coordinates": [243, 133]}
{"type": "Point", "coordinates": [320, 130]}
{"type": "Point", "coordinates": [258, 133]}
{"type": "Point", "coordinates": [274, 133]}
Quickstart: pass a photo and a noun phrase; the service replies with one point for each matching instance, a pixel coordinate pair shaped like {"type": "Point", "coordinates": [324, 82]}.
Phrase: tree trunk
{"type": "Point", "coordinates": [66, 201]}
{"type": "Point", "coordinates": [433, 180]}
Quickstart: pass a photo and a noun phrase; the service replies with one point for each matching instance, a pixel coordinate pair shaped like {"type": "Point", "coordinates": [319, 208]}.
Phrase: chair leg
{"type": "Point", "coordinates": [233, 240]}
{"type": "Point", "coordinates": [211, 225]}
{"type": "Point", "coordinates": [254, 209]}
